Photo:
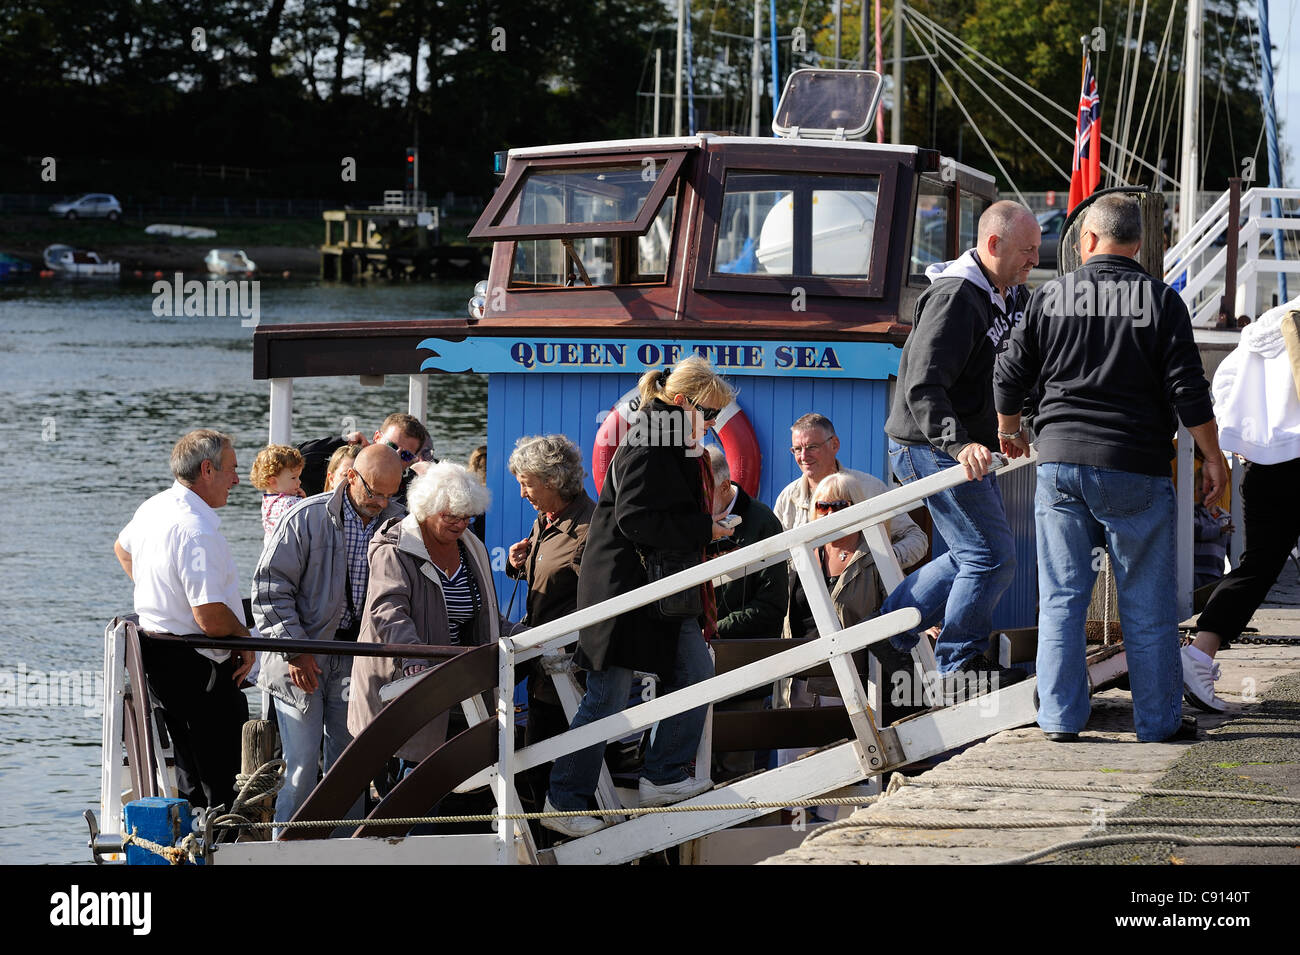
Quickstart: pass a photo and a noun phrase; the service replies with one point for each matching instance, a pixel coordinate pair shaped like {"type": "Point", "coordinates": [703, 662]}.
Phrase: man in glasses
{"type": "Point", "coordinates": [401, 432]}
{"type": "Point", "coordinates": [815, 446]}
{"type": "Point", "coordinates": [310, 584]}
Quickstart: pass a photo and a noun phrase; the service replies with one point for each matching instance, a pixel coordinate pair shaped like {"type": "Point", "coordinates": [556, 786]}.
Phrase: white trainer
{"type": "Point", "coordinates": [1198, 683]}
{"type": "Point", "coordinates": [653, 795]}
{"type": "Point", "coordinates": [573, 826]}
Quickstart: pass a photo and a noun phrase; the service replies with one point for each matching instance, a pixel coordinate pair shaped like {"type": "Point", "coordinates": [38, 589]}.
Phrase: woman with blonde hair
{"type": "Point", "coordinates": [656, 499]}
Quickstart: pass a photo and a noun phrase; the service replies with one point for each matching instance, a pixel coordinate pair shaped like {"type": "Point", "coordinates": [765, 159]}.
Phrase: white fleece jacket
{"type": "Point", "coordinates": [1255, 394]}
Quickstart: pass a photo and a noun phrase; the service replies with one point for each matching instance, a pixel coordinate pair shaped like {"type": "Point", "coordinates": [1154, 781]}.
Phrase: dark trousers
{"type": "Point", "coordinates": [1270, 504]}
{"type": "Point", "coordinates": [204, 712]}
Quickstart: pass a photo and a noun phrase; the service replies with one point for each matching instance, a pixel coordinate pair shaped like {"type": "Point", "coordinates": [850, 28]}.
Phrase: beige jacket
{"type": "Point", "coordinates": [404, 604]}
{"type": "Point", "coordinates": [857, 595]}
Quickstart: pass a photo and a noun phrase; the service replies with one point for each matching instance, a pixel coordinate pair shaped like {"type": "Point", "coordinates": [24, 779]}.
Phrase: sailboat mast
{"type": "Point", "coordinates": [1270, 134]}
{"type": "Point", "coordinates": [1189, 175]}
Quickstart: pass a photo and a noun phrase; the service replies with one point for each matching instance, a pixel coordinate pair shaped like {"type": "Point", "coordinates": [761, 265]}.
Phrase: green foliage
{"type": "Point", "coordinates": [121, 91]}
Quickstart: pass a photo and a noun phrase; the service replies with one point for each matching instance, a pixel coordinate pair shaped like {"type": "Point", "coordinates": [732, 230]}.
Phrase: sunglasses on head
{"type": "Point", "coordinates": [407, 456]}
{"type": "Point", "coordinates": [829, 507]}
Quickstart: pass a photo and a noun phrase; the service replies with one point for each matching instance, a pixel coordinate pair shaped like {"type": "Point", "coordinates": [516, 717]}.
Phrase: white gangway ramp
{"type": "Point", "coordinates": [871, 751]}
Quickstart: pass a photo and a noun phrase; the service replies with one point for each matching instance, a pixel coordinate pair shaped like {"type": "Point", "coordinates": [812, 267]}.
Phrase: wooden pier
{"type": "Point", "coordinates": [398, 240]}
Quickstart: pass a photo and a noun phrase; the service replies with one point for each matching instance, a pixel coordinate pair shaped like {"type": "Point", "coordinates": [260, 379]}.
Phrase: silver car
{"type": "Point", "coordinates": [93, 205]}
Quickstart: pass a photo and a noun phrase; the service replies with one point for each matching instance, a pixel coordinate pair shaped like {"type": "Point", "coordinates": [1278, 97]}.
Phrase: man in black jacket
{"type": "Point", "coordinates": [943, 416]}
{"type": "Point", "coordinates": [1112, 350]}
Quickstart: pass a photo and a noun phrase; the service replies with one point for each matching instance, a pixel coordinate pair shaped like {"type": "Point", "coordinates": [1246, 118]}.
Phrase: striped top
{"type": "Point", "coordinates": [461, 594]}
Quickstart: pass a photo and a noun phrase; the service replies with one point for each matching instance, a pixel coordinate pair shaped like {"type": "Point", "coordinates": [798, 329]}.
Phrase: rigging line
{"type": "Point", "coordinates": [1001, 112]}
{"type": "Point", "coordinates": [1133, 80]}
{"type": "Point", "coordinates": [969, 120]}
{"type": "Point", "coordinates": [1157, 68]}
{"type": "Point", "coordinates": [1020, 100]}
{"type": "Point", "coordinates": [1219, 90]}
{"type": "Point", "coordinates": [1123, 75]}
{"type": "Point", "coordinates": [1059, 108]}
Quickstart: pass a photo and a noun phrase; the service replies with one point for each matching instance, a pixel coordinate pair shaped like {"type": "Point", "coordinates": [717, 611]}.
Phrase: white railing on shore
{"type": "Point", "coordinates": [1206, 280]}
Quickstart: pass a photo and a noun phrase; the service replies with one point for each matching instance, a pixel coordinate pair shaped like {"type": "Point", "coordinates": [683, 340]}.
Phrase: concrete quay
{"type": "Point", "coordinates": [1254, 747]}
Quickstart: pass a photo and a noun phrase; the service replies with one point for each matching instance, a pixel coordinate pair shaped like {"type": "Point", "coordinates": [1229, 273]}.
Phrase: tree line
{"type": "Point", "coordinates": [120, 92]}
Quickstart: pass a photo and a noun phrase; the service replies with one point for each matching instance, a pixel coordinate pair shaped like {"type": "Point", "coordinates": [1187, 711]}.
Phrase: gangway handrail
{"type": "Point", "coordinates": [739, 563]}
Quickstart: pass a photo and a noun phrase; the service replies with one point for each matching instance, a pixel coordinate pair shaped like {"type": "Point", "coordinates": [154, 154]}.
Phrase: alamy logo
{"type": "Point", "coordinates": [1084, 297]}
{"type": "Point", "coordinates": [211, 299]}
{"type": "Point", "coordinates": [75, 908]}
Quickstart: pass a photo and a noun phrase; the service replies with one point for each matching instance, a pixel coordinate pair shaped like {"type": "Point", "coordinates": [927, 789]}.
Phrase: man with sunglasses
{"type": "Point", "coordinates": [403, 433]}
{"type": "Point", "coordinates": [310, 584]}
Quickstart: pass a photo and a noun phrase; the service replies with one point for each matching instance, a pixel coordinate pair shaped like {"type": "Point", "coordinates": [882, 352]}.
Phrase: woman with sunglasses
{"type": "Point", "coordinates": [431, 584]}
{"type": "Point", "coordinates": [855, 589]}
{"type": "Point", "coordinates": [657, 497]}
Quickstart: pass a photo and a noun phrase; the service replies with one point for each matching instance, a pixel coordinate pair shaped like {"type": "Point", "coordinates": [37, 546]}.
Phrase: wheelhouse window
{"type": "Point", "coordinates": [794, 224]}
{"type": "Point", "coordinates": [597, 260]}
{"type": "Point", "coordinates": [582, 223]}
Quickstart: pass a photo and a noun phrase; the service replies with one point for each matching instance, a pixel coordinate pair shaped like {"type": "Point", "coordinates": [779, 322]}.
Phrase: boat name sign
{"type": "Point", "coordinates": [871, 360]}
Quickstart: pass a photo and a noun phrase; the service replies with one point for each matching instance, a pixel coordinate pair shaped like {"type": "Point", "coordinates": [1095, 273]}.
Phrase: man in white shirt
{"type": "Point", "coordinates": [814, 446]}
{"type": "Point", "coordinates": [185, 583]}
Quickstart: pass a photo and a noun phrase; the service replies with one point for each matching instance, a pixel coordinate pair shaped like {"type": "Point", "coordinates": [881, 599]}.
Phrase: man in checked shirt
{"type": "Point", "coordinates": [310, 584]}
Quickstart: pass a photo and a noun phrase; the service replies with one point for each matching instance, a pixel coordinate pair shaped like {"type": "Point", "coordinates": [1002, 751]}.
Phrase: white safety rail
{"type": "Point", "coordinates": [1202, 260]}
{"type": "Point", "coordinates": [870, 752]}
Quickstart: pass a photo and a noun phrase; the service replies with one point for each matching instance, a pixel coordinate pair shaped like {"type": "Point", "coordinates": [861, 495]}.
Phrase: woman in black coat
{"type": "Point", "coordinates": [656, 497]}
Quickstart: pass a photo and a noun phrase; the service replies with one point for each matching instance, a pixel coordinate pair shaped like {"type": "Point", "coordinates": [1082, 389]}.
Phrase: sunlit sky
{"type": "Point", "coordinates": [1284, 24]}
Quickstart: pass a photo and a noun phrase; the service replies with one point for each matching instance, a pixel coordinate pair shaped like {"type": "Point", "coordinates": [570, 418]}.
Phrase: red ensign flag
{"type": "Point", "coordinates": [1085, 171]}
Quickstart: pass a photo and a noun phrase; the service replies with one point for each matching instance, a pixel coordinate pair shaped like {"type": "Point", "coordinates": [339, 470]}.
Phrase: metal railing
{"type": "Point", "coordinates": [1204, 259]}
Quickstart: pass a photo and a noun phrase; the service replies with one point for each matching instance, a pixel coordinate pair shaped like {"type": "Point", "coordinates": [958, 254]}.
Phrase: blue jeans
{"type": "Point", "coordinates": [675, 740]}
{"type": "Point", "coordinates": [962, 587]}
{"type": "Point", "coordinates": [301, 733]}
{"type": "Point", "coordinates": [1078, 511]}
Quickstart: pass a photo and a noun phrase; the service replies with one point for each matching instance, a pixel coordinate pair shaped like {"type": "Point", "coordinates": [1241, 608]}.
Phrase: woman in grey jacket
{"type": "Point", "coordinates": [430, 584]}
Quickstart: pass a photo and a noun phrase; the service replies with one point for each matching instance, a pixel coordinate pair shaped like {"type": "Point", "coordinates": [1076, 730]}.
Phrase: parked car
{"type": "Point", "coordinates": [93, 205]}
{"type": "Point", "coordinates": [1050, 222]}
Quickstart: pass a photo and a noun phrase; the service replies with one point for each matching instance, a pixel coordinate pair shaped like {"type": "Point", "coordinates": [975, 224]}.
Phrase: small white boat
{"type": "Point", "coordinates": [227, 261]}
{"type": "Point", "coordinates": [66, 260]}
{"type": "Point", "coordinates": [181, 231]}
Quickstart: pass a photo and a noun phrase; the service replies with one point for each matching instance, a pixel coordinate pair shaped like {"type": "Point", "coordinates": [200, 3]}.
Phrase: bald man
{"type": "Point", "coordinates": [943, 416]}
{"type": "Point", "coordinates": [310, 584]}
{"type": "Point", "coordinates": [1111, 347]}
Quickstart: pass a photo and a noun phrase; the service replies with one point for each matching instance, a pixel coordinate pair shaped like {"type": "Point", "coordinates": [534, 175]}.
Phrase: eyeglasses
{"type": "Point", "coordinates": [708, 414]}
{"type": "Point", "coordinates": [407, 456]}
{"type": "Point", "coordinates": [457, 518]}
{"type": "Point", "coordinates": [830, 507]}
{"type": "Point", "coordinates": [807, 448]}
{"type": "Point", "coordinates": [370, 493]}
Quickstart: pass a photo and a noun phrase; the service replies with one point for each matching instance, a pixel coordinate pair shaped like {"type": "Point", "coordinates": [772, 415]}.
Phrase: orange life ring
{"type": "Point", "coordinates": [739, 443]}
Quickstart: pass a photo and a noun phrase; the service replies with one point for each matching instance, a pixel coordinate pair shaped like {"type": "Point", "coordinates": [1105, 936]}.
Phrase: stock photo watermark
{"type": "Point", "coordinates": [24, 689]}
{"type": "Point", "coordinates": [213, 298]}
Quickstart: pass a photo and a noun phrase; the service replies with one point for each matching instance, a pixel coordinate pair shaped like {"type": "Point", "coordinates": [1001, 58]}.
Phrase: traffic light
{"type": "Point", "coordinates": [412, 162]}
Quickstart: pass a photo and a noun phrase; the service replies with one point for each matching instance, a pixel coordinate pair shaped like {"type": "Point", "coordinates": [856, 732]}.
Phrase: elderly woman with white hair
{"type": "Point", "coordinates": [430, 584]}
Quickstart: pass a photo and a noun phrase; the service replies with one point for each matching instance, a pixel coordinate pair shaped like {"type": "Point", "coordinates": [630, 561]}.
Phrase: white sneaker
{"type": "Point", "coordinates": [652, 795]}
{"type": "Point", "coordinates": [1198, 683]}
{"type": "Point", "coordinates": [573, 826]}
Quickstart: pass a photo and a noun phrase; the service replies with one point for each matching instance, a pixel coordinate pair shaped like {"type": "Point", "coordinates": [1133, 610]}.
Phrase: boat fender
{"type": "Point", "coordinates": [739, 443]}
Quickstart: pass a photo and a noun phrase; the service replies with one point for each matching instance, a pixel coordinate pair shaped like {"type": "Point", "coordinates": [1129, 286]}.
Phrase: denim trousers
{"type": "Point", "coordinates": [1079, 510]}
{"type": "Point", "coordinates": [674, 742]}
{"type": "Point", "coordinates": [301, 733]}
{"type": "Point", "coordinates": [962, 587]}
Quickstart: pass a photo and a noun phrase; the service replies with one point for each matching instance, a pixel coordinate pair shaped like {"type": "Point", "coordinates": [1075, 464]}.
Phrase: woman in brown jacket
{"type": "Point", "coordinates": [430, 584]}
{"type": "Point", "coordinates": [550, 475]}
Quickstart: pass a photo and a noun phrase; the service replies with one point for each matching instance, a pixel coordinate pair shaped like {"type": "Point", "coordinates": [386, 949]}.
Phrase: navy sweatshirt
{"type": "Point", "coordinates": [945, 392]}
{"type": "Point", "coordinates": [1113, 352]}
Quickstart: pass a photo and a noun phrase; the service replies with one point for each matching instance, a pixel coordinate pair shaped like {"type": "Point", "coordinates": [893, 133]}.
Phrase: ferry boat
{"type": "Point", "coordinates": [793, 264]}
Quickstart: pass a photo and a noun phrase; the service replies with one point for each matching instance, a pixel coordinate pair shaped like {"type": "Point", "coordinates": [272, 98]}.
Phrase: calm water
{"type": "Point", "coordinates": [95, 389]}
